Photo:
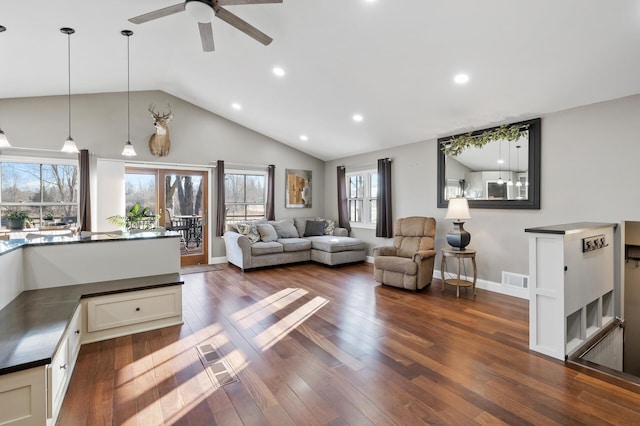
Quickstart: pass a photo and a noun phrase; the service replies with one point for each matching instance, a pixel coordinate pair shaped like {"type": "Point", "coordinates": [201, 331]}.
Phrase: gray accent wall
{"type": "Point", "coordinates": [590, 163]}
{"type": "Point", "coordinates": [198, 137]}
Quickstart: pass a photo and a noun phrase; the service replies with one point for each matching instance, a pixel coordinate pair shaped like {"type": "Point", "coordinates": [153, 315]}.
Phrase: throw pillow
{"type": "Point", "coordinates": [330, 226]}
{"type": "Point", "coordinates": [267, 232]}
{"type": "Point", "coordinates": [249, 230]}
{"type": "Point", "coordinates": [285, 228]}
{"type": "Point", "coordinates": [314, 228]}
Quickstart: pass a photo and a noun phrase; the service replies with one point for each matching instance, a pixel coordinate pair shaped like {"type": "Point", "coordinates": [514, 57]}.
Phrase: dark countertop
{"type": "Point", "coordinates": [32, 324]}
{"type": "Point", "coordinates": [570, 228]}
{"type": "Point", "coordinates": [7, 246]}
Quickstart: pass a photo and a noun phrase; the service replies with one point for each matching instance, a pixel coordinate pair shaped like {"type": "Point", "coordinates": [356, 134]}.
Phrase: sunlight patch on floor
{"type": "Point", "coordinates": [260, 310]}
{"type": "Point", "coordinates": [279, 330]}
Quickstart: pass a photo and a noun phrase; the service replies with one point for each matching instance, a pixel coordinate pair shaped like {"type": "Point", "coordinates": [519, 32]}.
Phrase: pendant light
{"type": "Point", "coordinates": [518, 183]}
{"type": "Point", "coordinates": [69, 144]}
{"type": "Point", "coordinates": [4, 142]}
{"type": "Point", "coordinates": [500, 161]}
{"type": "Point", "coordinates": [510, 183]}
{"type": "Point", "coordinates": [128, 150]}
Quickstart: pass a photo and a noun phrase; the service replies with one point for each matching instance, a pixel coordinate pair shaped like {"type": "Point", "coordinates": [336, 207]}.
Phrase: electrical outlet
{"type": "Point", "coordinates": [594, 243]}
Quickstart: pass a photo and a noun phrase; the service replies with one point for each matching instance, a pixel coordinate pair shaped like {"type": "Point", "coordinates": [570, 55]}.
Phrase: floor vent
{"type": "Point", "coordinates": [217, 368]}
{"type": "Point", "coordinates": [512, 279]}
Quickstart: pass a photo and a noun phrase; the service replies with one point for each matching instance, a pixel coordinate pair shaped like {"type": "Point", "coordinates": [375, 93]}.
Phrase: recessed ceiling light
{"type": "Point", "coordinates": [278, 71]}
{"type": "Point", "coordinates": [236, 106]}
{"type": "Point", "coordinates": [358, 118]}
{"type": "Point", "coordinates": [304, 138]}
{"type": "Point", "coordinates": [500, 161]}
{"type": "Point", "coordinates": [461, 78]}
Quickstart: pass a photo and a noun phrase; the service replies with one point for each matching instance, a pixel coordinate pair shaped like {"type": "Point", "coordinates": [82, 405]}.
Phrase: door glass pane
{"type": "Point", "coordinates": [184, 194]}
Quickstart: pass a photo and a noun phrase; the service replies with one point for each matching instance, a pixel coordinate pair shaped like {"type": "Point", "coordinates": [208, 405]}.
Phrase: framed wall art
{"type": "Point", "coordinates": [298, 188]}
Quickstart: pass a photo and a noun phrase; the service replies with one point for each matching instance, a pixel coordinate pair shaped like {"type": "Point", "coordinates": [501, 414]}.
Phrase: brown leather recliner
{"type": "Point", "coordinates": [409, 262]}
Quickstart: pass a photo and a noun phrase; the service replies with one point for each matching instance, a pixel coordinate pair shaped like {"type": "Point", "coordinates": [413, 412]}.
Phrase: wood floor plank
{"type": "Point", "coordinates": [329, 346]}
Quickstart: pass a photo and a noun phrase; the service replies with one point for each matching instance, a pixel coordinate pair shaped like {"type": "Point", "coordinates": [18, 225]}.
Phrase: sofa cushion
{"type": "Point", "coordinates": [397, 264]}
{"type": "Point", "coordinates": [249, 230]}
{"type": "Point", "coordinates": [267, 232]}
{"type": "Point", "coordinates": [333, 244]}
{"type": "Point", "coordinates": [314, 228]}
{"type": "Point", "coordinates": [301, 224]}
{"type": "Point", "coordinates": [329, 226]}
{"type": "Point", "coordinates": [261, 248]}
{"type": "Point", "coordinates": [295, 244]}
{"type": "Point", "coordinates": [285, 228]}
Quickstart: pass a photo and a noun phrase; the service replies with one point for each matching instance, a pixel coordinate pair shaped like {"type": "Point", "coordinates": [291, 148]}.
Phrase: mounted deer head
{"type": "Point", "coordinates": [159, 143]}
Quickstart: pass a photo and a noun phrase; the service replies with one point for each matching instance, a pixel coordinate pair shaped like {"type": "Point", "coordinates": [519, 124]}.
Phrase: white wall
{"type": "Point", "coordinates": [198, 137]}
{"type": "Point", "coordinates": [590, 158]}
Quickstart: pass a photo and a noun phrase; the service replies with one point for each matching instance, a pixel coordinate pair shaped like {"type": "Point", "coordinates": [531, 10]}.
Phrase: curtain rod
{"type": "Point", "coordinates": [243, 164]}
{"type": "Point", "coordinates": [158, 164]}
{"type": "Point", "coordinates": [369, 163]}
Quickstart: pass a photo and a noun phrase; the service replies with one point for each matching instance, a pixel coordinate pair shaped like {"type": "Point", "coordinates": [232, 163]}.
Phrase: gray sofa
{"type": "Point", "coordinates": [255, 244]}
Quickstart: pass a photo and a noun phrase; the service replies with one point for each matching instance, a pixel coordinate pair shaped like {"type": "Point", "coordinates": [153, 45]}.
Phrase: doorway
{"type": "Point", "coordinates": [180, 199]}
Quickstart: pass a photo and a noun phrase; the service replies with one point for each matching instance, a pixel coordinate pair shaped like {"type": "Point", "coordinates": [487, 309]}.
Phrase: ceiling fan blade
{"type": "Point", "coordinates": [165, 11]}
{"type": "Point", "coordinates": [206, 36]}
{"type": "Point", "coordinates": [234, 2]}
{"type": "Point", "coordinates": [243, 26]}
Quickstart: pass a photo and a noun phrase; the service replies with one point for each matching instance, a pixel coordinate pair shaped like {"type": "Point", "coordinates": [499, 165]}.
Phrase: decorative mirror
{"type": "Point", "coordinates": [496, 168]}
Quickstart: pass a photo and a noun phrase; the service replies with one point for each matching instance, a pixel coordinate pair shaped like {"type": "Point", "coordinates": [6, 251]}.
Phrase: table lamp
{"type": "Point", "coordinates": [458, 209]}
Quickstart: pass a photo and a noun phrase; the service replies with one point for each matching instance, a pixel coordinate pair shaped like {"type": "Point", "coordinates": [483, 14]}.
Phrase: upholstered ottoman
{"type": "Point", "coordinates": [336, 250]}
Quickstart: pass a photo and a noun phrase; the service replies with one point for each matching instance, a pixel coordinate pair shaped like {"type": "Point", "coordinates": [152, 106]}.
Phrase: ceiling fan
{"type": "Point", "coordinates": [204, 11]}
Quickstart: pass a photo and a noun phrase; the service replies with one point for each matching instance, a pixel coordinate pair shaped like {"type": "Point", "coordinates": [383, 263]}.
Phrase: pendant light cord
{"type": "Point", "coordinates": [69, 69]}
{"type": "Point", "coordinates": [128, 96]}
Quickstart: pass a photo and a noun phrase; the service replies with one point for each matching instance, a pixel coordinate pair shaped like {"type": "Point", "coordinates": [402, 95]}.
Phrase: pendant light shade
{"type": "Point", "coordinates": [4, 142]}
{"type": "Point", "coordinates": [69, 144]}
{"type": "Point", "coordinates": [128, 150]}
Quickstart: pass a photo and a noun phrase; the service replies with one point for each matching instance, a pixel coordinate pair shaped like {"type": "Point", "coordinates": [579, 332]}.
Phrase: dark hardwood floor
{"type": "Point", "coordinates": [312, 345]}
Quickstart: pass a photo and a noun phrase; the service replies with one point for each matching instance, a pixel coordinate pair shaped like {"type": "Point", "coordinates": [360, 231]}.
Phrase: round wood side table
{"type": "Point", "coordinates": [459, 255]}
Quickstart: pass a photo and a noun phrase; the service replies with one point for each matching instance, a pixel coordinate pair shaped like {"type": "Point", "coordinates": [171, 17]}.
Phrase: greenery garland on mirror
{"type": "Point", "coordinates": [506, 132]}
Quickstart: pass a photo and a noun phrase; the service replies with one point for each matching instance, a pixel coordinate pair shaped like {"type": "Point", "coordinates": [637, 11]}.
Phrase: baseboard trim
{"type": "Point", "coordinates": [217, 260]}
{"type": "Point", "coordinates": [520, 293]}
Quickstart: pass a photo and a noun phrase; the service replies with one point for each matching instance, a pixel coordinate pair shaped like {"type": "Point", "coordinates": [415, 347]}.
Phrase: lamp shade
{"type": "Point", "coordinates": [458, 209]}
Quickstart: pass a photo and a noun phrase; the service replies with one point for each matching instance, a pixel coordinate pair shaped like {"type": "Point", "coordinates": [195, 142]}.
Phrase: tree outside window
{"type": "Point", "coordinates": [245, 196]}
{"type": "Point", "coordinates": [41, 189]}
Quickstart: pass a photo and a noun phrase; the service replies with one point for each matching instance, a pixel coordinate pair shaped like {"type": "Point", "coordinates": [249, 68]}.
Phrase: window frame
{"type": "Point", "coordinates": [368, 202]}
{"type": "Point", "coordinates": [41, 205]}
{"type": "Point", "coordinates": [236, 219]}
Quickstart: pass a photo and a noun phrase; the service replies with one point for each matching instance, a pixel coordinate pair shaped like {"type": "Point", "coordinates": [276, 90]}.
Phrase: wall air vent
{"type": "Point", "coordinates": [512, 279]}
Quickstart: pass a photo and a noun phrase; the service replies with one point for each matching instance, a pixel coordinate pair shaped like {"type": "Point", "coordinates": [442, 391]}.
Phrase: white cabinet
{"type": "Point", "coordinates": [132, 312]}
{"type": "Point", "coordinates": [61, 368]}
{"type": "Point", "coordinates": [22, 396]}
{"type": "Point", "coordinates": [571, 269]}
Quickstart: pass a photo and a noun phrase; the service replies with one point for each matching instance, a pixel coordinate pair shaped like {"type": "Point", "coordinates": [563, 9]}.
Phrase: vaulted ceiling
{"type": "Point", "coordinates": [392, 61]}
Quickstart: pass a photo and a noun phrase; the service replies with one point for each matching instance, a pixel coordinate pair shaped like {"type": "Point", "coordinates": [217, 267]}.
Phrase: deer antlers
{"type": "Point", "coordinates": [159, 116]}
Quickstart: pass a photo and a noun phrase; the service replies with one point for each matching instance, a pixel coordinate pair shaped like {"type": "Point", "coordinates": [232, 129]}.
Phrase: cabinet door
{"type": "Point", "coordinates": [57, 375]}
{"type": "Point", "coordinates": [75, 336]}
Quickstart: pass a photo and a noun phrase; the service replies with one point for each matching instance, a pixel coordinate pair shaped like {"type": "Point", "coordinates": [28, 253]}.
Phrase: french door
{"type": "Point", "coordinates": [180, 198]}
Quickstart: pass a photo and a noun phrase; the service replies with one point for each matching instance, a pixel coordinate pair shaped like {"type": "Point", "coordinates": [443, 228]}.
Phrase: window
{"type": "Point", "coordinates": [362, 193]}
{"type": "Point", "coordinates": [41, 188]}
{"type": "Point", "coordinates": [140, 187]}
{"type": "Point", "coordinates": [245, 195]}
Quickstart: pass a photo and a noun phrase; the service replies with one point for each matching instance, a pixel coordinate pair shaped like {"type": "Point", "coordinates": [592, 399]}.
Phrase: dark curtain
{"type": "Point", "coordinates": [220, 219]}
{"type": "Point", "coordinates": [84, 211]}
{"type": "Point", "coordinates": [343, 208]}
{"type": "Point", "coordinates": [270, 214]}
{"type": "Point", "coordinates": [384, 221]}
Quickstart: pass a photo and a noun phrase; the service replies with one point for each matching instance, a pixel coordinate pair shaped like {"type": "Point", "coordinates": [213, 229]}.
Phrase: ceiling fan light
{"type": "Point", "coordinates": [69, 146]}
{"type": "Point", "coordinates": [200, 11]}
{"type": "Point", "coordinates": [4, 142]}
